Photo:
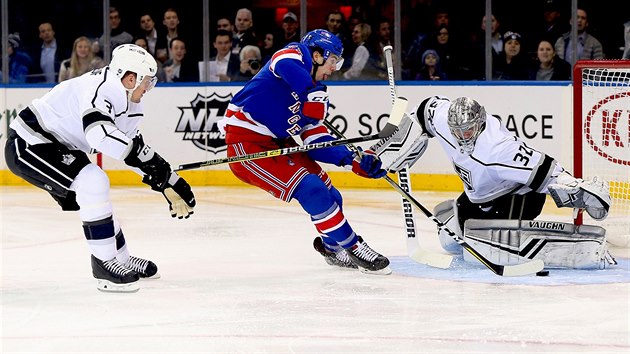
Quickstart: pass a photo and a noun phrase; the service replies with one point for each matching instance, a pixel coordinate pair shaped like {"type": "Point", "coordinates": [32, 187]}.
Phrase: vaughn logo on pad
{"type": "Point", "coordinates": [198, 122]}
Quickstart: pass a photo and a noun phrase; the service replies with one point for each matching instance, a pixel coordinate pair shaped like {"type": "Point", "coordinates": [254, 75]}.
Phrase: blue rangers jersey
{"type": "Point", "coordinates": [500, 164]}
{"type": "Point", "coordinates": [270, 104]}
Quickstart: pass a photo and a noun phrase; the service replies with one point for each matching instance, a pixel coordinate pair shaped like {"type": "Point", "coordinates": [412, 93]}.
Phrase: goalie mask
{"type": "Point", "coordinates": [466, 120]}
{"type": "Point", "coordinates": [133, 58]}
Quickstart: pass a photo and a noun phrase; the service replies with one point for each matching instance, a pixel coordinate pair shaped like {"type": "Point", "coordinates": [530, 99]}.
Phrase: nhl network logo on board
{"type": "Point", "coordinates": [198, 122]}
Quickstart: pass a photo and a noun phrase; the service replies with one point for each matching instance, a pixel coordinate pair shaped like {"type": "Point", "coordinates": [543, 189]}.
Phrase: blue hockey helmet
{"type": "Point", "coordinates": [326, 42]}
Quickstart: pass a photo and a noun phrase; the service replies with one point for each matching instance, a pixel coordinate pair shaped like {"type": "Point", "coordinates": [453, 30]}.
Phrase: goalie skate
{"type": "Point", "coordinates": [144, 267]}
{"type": "Point", "coordinates": [368, 260]}
{"type": "Point", "coordinates": [338, 259]}
{"type": "Point", "coordinates": [112, 276]}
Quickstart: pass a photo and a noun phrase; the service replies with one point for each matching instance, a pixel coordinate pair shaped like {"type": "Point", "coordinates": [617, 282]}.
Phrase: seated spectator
{"type": "Point", "coordinates": [225, 65]}
{"type": "Point", "coordinates": [448, 51]}
{"type": "Point", "coordinates": [548, 65]}
{"type": "Point", "coordinates": [360, 35]}
{"type": "Point", "coordinates": [511, 64]}
{"type": "Point", "coordinates": [155, 40]}
{"type": "Point", "coordinates": [243, 31]}
{"type": "Point", "coordinates": [117, 35]}
{"type": "Point", "coordinates": [268, 47]}
{"type": "Point", "coordinates": [47, 57]}
{"type": "Point", "coordinates": [81, 60]}
{"type": "Point", "coordinates": [179, 68]}
{"type": "Point", "coordinates": [289, 33]}
{"type": "Point", "coordinates": [430, 69]}
{"type": "Point", "coordinates": [19, 61]}
{"type": "Point", "coordinates": [588, 47]}
{"type": "Point", "coordinates": [250, 63]}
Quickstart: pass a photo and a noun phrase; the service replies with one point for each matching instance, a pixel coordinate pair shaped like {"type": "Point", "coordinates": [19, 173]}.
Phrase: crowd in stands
{"type": "Point", "coordinates": [435, 51]}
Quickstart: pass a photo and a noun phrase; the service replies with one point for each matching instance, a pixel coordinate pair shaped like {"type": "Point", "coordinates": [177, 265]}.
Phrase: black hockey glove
{"type": "Point", "coordinates": [157, 171]}
{"type": "Point", "coordinates": [180, 198]}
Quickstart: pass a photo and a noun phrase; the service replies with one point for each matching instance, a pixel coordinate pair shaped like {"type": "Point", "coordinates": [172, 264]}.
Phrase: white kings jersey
{"type": "Point", "coordinates": [90, 113]}
{"type": "Point", "coordinates": [500, 164]}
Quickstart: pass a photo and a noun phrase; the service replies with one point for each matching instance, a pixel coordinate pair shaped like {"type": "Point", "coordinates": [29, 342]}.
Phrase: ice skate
{"type": "Point", "coordinates": [339, 259]}
{"type": "Point", "coordinates": [145, 268]}
{"type": "Point", "coordinates": [112, 276]}
{"type": "Point", "coordinates": [368, 260]}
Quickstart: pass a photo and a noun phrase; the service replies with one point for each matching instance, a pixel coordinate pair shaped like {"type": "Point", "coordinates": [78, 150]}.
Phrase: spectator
{"type": "Point", "coordinates": [548, 66]}
{"type": "Point", "coordinates": [171, 22]}
{"type": "Point", "coordinates": [588, 46]}
{"type": "Point", "coordinates": [290, 26]}
{"type": "Point", "coordinates": [19, 61]}
{"type": "Point", "coordinates": [512, 63]}
{"type": "Point", "coordinates": [117, 34]}
{"type": "Point", "coordinates": [360, 35]}
{"type": "Point", "coordinates": [478, 61]}
{"type": "Point", "coordinates": [268, 47]}
{"type": "Point", "coordinates": [447, 51]}
{"type": "Point", "coordinates": [335, 24]}
{"type": "Point", "coordinates": [554, 26]}
{"type": "Point", "coordinates": [224, 24]}
{"type": "Point", "coordinates": [250, 63]}
{"type": "Point", "coordinates": [81, 60]}
{"type": "Point", "coordinates": [225, 65]}
{"type": "Point", "coordinates": [412, 56]}
{"type": "Point", "coordinates": [376, 63]}
{"type": "Point", "coordinates": [244, 31]}
{"type": "Point", "coordinates": [180, 68]}
{"type": "Point", "coordinates": [430, 69]}
{"type": "Point", "coordinates": [47, 58]}
{"type": "Point", "coordinates": [156, 41]}
{"type": "Point", "coordinates": [141, 42]}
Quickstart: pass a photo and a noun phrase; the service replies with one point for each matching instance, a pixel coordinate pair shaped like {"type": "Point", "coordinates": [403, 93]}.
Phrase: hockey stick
{"type": "Point", "coordinates": [432, 259]}
{"type": "Point", "coordinates": [398, 110]}
{"type": "Point", "coordinates": [530, 267]}
{"type": "Point", "coordinates": [414, 250]}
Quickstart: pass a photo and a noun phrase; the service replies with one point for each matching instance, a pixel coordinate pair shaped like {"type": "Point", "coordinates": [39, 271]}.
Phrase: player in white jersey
{"type": "Point", "coordinates": [504, 179]}
{"type": "Point", "coordinates": [99, 111]}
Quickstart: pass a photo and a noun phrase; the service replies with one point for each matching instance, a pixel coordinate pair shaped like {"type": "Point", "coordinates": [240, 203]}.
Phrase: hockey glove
{"type": "Point", "coordinates": [157, 171]}
{"type": "Point", "coordinates": [316, 106]}
{"type": "Point", "coordinates": [180, 198]}
{"type": "Point", "coordinates": [368, 166]}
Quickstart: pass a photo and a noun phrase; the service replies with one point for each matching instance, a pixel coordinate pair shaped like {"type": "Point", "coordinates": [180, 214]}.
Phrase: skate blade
{"type": "Point", "coordinates": [385, 271]}
{"type": "Point", "coordinates": [154, 276]}
{"type": "Point", "coordinates": [109, 287]}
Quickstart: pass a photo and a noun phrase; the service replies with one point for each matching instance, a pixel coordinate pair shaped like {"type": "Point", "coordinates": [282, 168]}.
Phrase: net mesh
{"type": "Point", "coordinates": [605, 120]}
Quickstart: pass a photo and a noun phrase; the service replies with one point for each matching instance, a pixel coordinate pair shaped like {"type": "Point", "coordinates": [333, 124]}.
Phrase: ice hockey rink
{"type": "Point", "coordinates": [241, 276]}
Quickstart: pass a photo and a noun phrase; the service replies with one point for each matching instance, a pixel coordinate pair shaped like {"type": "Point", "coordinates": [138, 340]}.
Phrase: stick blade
{"type": "Point", "coordinates": [433, 259]}
{"type": "Point", "coordinates": [531, 267]}
{"type": "Point", "coordinates": [395, 117]}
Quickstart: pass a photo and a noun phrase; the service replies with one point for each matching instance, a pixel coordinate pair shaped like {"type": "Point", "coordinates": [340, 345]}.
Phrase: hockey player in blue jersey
{"type": "Point", "coordinates": [286, 98]}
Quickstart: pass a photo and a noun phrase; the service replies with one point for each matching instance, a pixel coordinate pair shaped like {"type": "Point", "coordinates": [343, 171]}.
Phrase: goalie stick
{"type": "Point", "coordinates": [424, 256]}
{"type": "Point", "coordinates": [419, 255]}
{"type": "Point", "coordinates": [398, 110]}
{"type": "Point", "coordinates": [414, 251]}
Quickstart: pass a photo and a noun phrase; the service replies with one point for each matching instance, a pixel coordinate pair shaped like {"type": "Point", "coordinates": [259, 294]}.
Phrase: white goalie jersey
{"type": "Point", "coordinates": [500, 164]}
{"type": "Point", "coordinates": [90, 113]}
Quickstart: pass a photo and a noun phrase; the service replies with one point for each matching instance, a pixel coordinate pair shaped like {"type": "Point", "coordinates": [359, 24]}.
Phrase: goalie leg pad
{"type": "Point", "coordinates": [446, 212]}
{"type": "Point", "coordinates": [558, 244]}
{"type": "Point", "coordinates": [403, 148]}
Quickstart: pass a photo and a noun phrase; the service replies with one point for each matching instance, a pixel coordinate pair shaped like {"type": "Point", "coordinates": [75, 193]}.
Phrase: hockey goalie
{"type": "Point", "coordinates": [506, 184]}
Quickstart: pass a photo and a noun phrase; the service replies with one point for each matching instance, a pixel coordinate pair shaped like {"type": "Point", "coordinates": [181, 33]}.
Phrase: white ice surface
{"type": "Point", "coordinates": [241, 276]}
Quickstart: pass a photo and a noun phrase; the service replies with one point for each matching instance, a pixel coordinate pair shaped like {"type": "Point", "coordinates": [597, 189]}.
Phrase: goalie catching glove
{"type": "Point", "coordinates": [590, 195]}
{"type": "Point", "coordinates": [403, 148]}
{"type": "Point", "coordinates": [158, 175]}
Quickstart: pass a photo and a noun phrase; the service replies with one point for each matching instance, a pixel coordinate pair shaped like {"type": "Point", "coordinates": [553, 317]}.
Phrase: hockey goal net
{"type": "Point", "coordinates": [601, 108]}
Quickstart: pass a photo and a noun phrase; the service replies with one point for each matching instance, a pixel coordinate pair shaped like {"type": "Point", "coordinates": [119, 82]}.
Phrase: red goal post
{"type": "Point", "coordinates": [601, 128]}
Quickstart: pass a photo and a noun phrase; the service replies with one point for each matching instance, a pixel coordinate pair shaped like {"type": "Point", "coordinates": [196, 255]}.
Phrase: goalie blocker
{"type": "Point", "coordinates": [557, 244]}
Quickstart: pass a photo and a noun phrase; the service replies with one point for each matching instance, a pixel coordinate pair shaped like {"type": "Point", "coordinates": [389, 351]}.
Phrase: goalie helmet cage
{"type": "Point", "coordinates": [601, 130]}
